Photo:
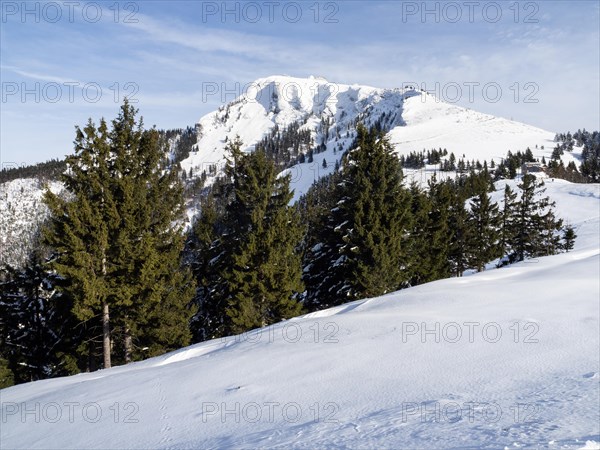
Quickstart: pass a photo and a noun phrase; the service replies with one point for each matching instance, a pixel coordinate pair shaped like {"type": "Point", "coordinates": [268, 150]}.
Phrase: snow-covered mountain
{"type": "Point", "coordinates": [507, 358]}
{"type": "Point", "coordinates": [416, 120]}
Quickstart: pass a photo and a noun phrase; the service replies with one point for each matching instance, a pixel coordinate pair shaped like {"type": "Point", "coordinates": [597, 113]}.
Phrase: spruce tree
{"type": "Point", "coordinates": [358, 241]}
{"type": "Point", "coordinates": [435, 259]}
{"type": "Point", "coordinates": [418, 240]}
{"type": "Point", "coordinates": [569, 237]}
{"type": "Point", "coordinates": [376, 212]}
{"type": "Point", "coordinates": [265, 277]}
{"type": "Point", "coordinates": [79, 231]}
{"type": "Point", "coordinates": [153, 287]}
{"type": "Point", "coordinates": [484, 217]}
{"type": "Point", "coordinates": [118, 239]}
{"type": "Point", "coordinates": [536, 225]}
{"type": "Point", "coordinates": [253, 276]}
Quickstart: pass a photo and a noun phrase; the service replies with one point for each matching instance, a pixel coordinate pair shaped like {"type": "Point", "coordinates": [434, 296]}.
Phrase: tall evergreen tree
{"type": "Point", "coordinates": [79, 230]}
{"type": "Point", "coordinates": [460, 234]}
{"type": "Point", "coordinates": [358, 242]}
{"type": "Point", "coordinates": [265, 278]}
{"type": "Point", "coordinates": [152, 284]}
{"type": "Point", "coordinates": [117, 239]}
{"type": "Point", "coordinates": [376, 212]}
{"type": "Point", "coordinates": [256, 269]}
{"type": "Point", "coordinates": [536, 225]}
{"type": "Point", "coordinates": [484, 217]}
{"type": "Point", "coordinates": [435, 260]}
{"type": "Point", "coordinates": [418, 241]}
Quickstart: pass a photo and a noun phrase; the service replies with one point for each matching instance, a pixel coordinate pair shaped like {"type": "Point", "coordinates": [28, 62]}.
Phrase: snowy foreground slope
{"type": "Point", "coordinates": [504, 359]}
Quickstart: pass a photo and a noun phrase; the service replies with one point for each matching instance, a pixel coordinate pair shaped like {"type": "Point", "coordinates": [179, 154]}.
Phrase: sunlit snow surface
{"type": "Point", "coordinates": [503, 359]}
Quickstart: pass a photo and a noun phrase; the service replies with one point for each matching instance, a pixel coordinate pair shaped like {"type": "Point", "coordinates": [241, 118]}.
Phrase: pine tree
{"type": "Point", "coordinates": [357, 244]}
{"type": "Point", "coordinates": [536, 225]}
{"type": "Point", "coordinates": [435, 260]}
{"type": "Point", "coordinates": [265, 277]}
{"type": "Point", "coordinates": [377, 211]}
{"type": "Point", "coordinates": [118, 241]}
{"type": "Point", "coordinates": [569, 237]}
{"type": "Point", "coordinates": [253, 277]}
{"type": "Point", "coordinates": [152, 285]}
{"type": "Point", "coordinates": [79, 230]}
{"type": "Point", "coordinates": [418, 238]}
{"type": "Point", "coordinates": [485, 243]}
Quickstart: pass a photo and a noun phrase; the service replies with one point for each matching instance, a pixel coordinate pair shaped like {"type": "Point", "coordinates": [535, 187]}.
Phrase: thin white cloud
{"type": "Point", "coordinates": [39, 76]}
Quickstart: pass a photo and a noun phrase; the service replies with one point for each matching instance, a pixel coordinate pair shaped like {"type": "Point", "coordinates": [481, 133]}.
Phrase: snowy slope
{"type": "Point", "coordinates": [21, 210]}
{"type": "Point", "coordinates": [431, 123]}
{"type": "Point", "coordinates": [522, 373]}
{"type": "Point", "coordinates": [281, 101]}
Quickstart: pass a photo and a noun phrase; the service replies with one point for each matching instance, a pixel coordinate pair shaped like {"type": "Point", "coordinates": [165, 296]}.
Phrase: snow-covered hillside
{"type": "Point", "coordinates": [21, 210]}
{"type": "Point", "coordinates": [417, 120]}
{"type": "Point", "coordinates": [503, 359]}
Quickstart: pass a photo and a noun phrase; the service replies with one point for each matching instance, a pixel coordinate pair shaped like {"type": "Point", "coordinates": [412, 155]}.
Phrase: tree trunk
{"type": "Point", "coordinates": [105, 314]}
{"type": "Point", "coordinates": [128, 345]}
{"type": "Point", "coordinates": [106, 335]}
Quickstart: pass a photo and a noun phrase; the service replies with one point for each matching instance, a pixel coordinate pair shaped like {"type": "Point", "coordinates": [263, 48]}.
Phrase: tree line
{"type": "Point", "coordinates": [49, 170]}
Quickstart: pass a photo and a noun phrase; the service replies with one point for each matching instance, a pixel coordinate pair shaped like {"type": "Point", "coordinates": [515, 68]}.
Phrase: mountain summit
{"type": "Point", "coordinates": [414, 120]}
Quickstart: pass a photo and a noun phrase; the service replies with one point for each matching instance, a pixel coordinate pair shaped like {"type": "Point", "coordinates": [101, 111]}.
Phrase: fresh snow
{"type": "Point", "coordinates": [507, 358]}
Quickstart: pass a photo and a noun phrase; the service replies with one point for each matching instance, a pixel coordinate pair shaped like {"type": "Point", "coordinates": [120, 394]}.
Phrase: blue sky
{"type": "Point", "coordinates": [543, 56]}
